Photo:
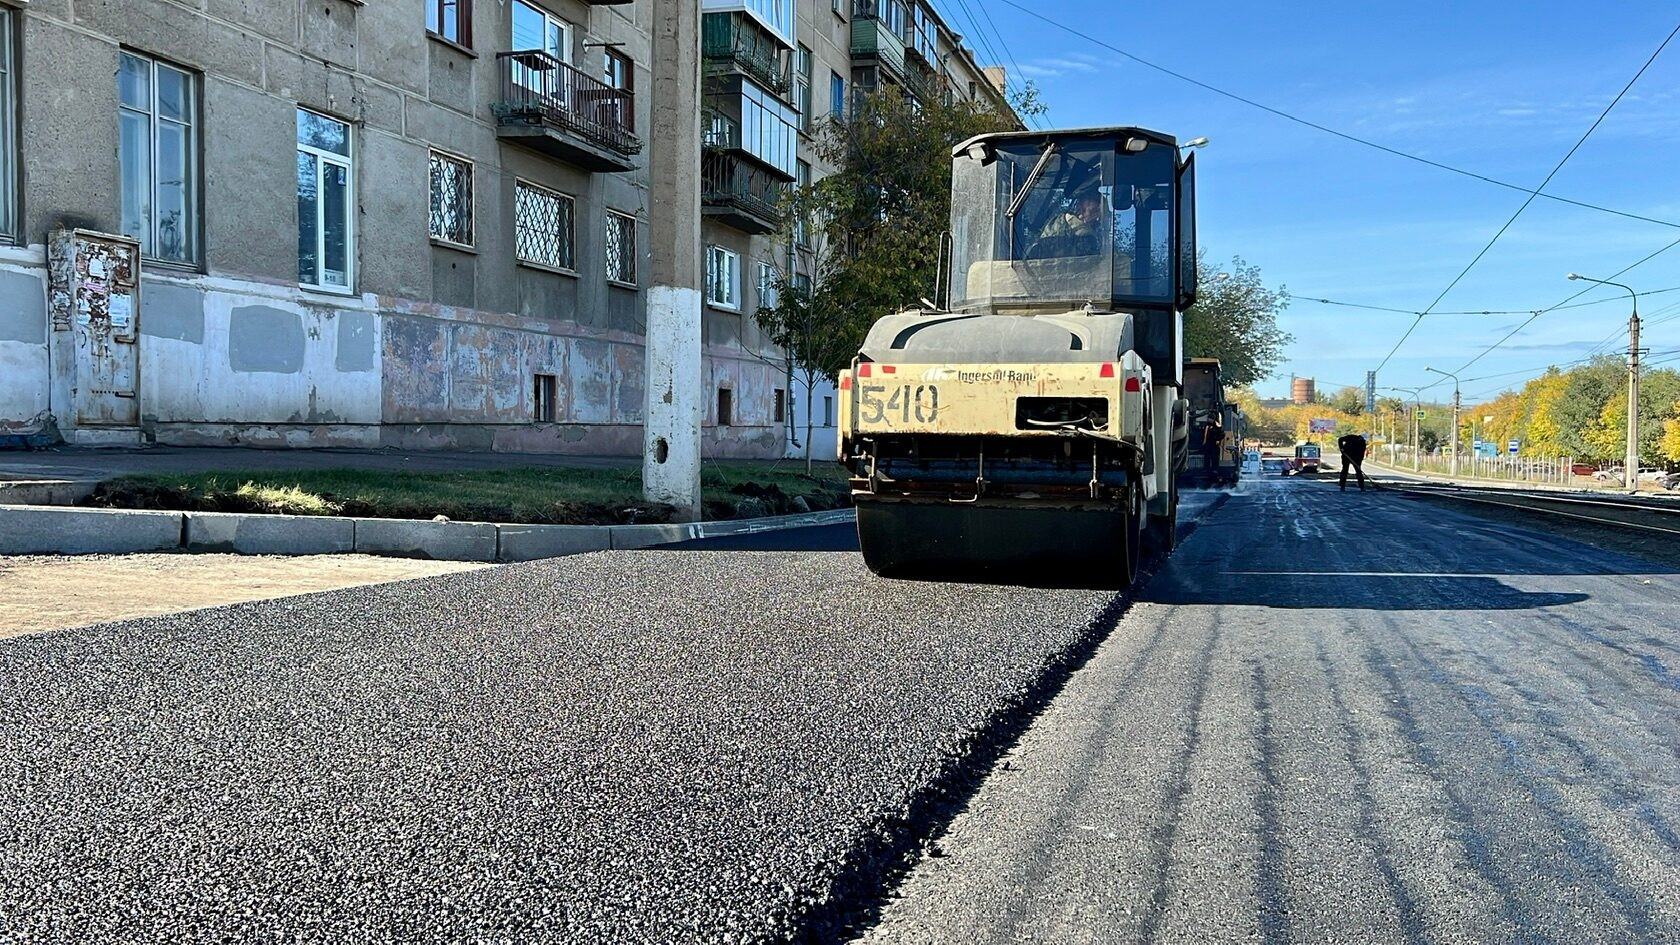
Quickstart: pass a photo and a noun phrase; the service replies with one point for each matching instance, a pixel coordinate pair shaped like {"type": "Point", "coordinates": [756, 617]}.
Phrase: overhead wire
{"type": "Point", "coordinates": [982, 43]}
{"type": "Point", "coordinates": [1333, 132]}
{"type": "Point", "coordinates": [1525, 205]}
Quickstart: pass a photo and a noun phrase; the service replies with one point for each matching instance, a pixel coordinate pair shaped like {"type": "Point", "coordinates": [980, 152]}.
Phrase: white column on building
{"type": "Point", "coordinates": [671, 431]}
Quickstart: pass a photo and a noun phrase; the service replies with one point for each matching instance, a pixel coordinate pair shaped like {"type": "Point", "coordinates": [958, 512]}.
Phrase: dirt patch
{"type": "Point", "coordinates": [50, 593]}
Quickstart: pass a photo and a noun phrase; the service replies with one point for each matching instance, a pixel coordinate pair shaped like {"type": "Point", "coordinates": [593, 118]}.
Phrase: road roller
{"type": "Point", "coordinates": [1031, 428]}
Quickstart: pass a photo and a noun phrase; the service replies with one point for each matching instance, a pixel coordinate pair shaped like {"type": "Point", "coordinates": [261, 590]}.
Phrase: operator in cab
{"type": "Point", "coordinates": [1076, 231]}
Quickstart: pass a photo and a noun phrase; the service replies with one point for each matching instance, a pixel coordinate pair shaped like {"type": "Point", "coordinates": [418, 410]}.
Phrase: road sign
{"type": "Point", "coordinates": [1420, 415]}
{"type": "Point", "coordinates": [1511, 447]}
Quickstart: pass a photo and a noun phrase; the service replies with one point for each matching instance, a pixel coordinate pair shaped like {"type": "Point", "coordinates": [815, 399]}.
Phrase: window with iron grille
{"type": "Point", "coordinates": [158, 156]}
{"type": "Point", "coordinates": [452, 199]}
{"type": "Point", "coordinates": [723, 277]}
{"type": "Point", "coordinates": [780, 408]}
{"type": "Point", "coordinates": [451, 20]}
{"type": "Point", "coordinates": [542, 226]}
{"type": "Point", "coordinates": [8, 132]}
{"type": "Point", "coordinates": [621, 248]}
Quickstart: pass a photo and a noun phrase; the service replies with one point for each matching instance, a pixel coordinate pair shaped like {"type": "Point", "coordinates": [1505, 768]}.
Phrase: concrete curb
{"type": "Point", "coordinates": [56, 530]}
{"type": "Point", "coordinates": [46, 491]}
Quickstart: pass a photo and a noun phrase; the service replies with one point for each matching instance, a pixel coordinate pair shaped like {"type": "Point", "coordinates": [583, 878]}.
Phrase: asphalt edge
{"type": "Point", "coordinates": [890, 848]}
{"type": "Point", "coordinates": [61, 530]}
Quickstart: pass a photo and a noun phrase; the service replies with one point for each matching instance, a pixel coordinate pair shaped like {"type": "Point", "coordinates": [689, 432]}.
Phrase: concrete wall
{"type": "Point", "coordinates": [225, 361]}
{"type": "Point", "coordinates": [25, 378]}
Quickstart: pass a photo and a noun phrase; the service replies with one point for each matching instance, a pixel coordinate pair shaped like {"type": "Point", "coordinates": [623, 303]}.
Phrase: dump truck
{"type": "Point", "coordinates": [1031, 428]}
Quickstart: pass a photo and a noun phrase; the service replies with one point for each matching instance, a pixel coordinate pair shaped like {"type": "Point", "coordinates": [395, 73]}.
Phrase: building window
{"type": "Point", "coordinates": [326, 226]}
{"type": "Point", "coordinates": [802, 85]}
{"type": "Point", "coordinates": [158, 154]}
{"type": "Point", "coordinates": [452, 199]}
{"type": "Point", "coordinates": [620, 71]}
{"type": "Point", "coordinates": [723, 277]}
{"type": "Point", "coordinates": [828, 411]}
{"type": "Point", "coordinates": [451, 20]}
{"type": "Point", "coordinates": [542, 226]}
{"type": "Point", "coordinates": [801, 180]}
{"type": "Point", "coordinates": [768, 297]}
{"type": "Point", "coordinates": [543, 390]}
{"type": "Point", "coordinates": [779, 410]}
{"type": "Point", "coordinates": [839, 8]}
{"type": "Point", "coordinates": [726, 407]}
{"type": "Point", "coordinates": [534, 28]}
{"type": "Point", "coordinates": [621, 247]}
{"type": "Point", "coordinates": [836, 95]}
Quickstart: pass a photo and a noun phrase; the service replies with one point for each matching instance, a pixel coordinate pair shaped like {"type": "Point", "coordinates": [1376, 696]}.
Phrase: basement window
{"type": "Point", "coordinates": [725, 407]}
{"type": "Point", "coordinates": [543, 388]}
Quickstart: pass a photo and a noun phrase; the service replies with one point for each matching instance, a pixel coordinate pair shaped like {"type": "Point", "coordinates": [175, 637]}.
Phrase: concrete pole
{"type": "Point", "coordinates": [1416, 406]}
{"type": "Point", "coordinates": [671, 424]}
{"type": "Point", "coordinates": [1455, 427]}
{"type": "Point", "coordinates": [1633, 400]}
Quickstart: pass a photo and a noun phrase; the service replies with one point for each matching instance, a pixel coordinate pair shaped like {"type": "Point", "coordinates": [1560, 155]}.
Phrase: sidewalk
{"type": "Point", "coordinates": [83, 464]}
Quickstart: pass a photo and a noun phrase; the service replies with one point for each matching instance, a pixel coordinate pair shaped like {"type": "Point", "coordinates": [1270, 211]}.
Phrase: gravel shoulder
{"type": "Point", "coordinates": [39, 593]}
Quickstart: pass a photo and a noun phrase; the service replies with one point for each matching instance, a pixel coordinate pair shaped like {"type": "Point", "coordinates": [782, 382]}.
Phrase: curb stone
{"type": "Point", "coordinates": [38, 530]}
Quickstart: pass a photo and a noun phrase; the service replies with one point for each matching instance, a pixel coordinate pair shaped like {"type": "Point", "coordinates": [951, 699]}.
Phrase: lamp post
{"type": "Point", "coordinates": [1632, 460]}
{"type": "Point", "coordinates": [1455, 415]}
{"type": "Point", "coordinates": [1416, 392]}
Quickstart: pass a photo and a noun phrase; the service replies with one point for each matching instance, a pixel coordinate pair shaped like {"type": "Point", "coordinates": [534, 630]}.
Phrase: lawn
{"type": "Point", "coordinates": [555, 495]}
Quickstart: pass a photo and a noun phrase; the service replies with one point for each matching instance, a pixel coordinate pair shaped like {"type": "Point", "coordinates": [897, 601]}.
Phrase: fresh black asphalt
{"type": "Point", "coordinates": [1328, 718]}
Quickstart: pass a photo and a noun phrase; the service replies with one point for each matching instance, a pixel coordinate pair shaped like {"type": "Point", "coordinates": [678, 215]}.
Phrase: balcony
{"type": "Point", "coordinates": [739, 193]}
{"type": "Point", "coordinates": [730, 42]}
{"type": "Point", "coordinates": [877, 35]}
{"type": "Point", "coordinates": [550, 107]}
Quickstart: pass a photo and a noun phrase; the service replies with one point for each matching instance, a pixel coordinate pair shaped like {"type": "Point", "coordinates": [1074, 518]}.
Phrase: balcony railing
{"type": "Point", "coordinates": [726, 42]}
{"type": "Point", "coordinates": [539, 89]}
{"type": "Point", "coordinates": [740, 193]}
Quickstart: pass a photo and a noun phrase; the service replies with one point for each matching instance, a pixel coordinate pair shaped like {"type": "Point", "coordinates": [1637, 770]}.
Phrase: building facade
{"type": "Point", "coordinates": [403, 223]}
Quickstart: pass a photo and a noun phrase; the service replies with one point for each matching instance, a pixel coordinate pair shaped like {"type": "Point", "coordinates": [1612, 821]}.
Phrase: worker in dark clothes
{"type": "Point", "coordinates": [1353, 454]}
{"type": "Point", "coordinates": [1213, 442]}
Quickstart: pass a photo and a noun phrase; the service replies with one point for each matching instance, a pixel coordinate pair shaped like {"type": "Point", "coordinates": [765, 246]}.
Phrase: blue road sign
{"type": "Point", "coordinates": [1511, 447]}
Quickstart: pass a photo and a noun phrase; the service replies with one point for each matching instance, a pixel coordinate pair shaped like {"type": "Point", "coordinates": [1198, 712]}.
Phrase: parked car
{"type": "Point", "coordinates": [1274, 466]}
{"type": "Point", "coordinates": [1584, 469]}
{"type": "Point", "coordinates": [1614, 474]}
{"type": "Point", "coordinates": [1653, 475]}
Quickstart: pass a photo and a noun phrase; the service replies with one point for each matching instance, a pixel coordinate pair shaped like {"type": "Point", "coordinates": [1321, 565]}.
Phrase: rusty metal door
{"type": "Point", "coordinates": [97, 285]}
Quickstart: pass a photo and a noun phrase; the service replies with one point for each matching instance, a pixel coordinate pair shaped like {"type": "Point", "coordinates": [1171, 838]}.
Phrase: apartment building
{"type": "Point", "coordinates": [406, 223]}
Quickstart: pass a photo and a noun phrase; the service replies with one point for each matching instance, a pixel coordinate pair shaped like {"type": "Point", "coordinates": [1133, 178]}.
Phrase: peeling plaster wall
{"type": "Point", "coordinates": [25, 372]}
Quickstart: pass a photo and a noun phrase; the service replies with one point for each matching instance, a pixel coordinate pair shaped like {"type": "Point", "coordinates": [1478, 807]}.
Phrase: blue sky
{"type": "Point", "coordinates": [1501, 89]}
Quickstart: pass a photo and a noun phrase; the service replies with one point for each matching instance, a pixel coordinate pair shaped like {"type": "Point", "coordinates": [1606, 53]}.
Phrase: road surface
{"type": "Point", "coordinates": [1341, 717]}
{"type": "Point", "coordinates": [1329, 717]}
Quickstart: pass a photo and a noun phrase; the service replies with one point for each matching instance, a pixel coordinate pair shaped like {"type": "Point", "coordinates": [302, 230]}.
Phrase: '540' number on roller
{"type": "Point", "coordinates": [880, 406]}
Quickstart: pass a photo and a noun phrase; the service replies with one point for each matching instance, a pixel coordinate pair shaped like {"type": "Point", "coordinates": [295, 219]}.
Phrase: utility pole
{"type": "Point", "coordinates": [1455, 416]}
{"type": "Point", "coordinates": [1633, 399]}
{"type": "Point", "coordinates": [1631, 462]}
{"type": "Point", "coordinates": [672, 406]}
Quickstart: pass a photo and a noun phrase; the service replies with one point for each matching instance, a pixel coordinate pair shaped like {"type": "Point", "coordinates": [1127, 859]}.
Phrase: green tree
{"type": "Point", "coordinates": [864, 241]}
{"type": "Point", "coordinates": [1589, 389]}
{"type": "Point", "coordinates": [1235, 320]}
{"type": "Point", "coordinates": [1348, 400]}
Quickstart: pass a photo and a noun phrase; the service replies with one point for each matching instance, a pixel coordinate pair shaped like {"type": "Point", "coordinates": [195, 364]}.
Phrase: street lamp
{"type": "Point", "coordinates": [1194, 143]}
{"type": "Point", "coordinates": [1632, 461]}
{"type": "Point", "coordinates": [1416, 392]}
{"type": "Point", "coordinates": [1455, 415]}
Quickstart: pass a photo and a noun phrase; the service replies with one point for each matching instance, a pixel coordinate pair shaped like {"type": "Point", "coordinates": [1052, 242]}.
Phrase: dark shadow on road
{"type": "Point", "coordinates": [1347, 591]}
{"type": "Point", "coordinates": [841, 537]}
